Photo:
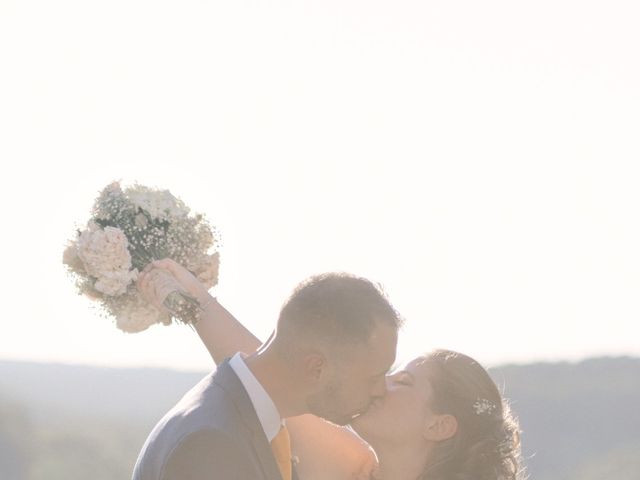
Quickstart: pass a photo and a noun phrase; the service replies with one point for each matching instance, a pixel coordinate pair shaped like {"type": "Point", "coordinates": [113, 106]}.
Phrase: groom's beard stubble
{"type": "Point", "coordinates": [327, 404]}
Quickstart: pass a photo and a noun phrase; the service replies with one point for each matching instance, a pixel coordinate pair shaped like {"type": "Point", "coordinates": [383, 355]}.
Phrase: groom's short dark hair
{"type": "Point", "coordinates": [339, 307]}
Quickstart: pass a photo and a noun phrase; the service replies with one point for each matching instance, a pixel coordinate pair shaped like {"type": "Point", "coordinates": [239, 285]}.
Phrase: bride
{"type": "Point", "coordinates": [442, 418]}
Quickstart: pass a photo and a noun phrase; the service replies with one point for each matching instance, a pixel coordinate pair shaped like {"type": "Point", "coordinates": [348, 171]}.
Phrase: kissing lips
{"type": "Point", "coordinates": [372, 406]}
{"type": "Point", "coordinates": [364, 410]}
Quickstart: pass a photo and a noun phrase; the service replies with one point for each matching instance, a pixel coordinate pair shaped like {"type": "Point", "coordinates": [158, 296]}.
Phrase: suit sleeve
{"type": "Point", "coordinates": [203, 455]}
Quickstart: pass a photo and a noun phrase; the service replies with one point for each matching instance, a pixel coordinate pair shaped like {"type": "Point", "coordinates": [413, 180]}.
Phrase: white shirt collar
{"type": "Point", "coordinates": [265, 408]}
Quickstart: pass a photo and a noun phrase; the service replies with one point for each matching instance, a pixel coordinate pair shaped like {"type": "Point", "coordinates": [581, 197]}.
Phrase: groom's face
{"type": "Point", "coordinates": [358, 379]}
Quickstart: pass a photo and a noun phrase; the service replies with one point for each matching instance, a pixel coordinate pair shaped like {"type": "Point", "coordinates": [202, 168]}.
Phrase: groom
{"type": "Point", "coordinates": [335, 341]}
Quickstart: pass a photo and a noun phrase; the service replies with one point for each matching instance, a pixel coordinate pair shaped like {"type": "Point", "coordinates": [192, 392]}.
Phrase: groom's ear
{"type": "Point", "coordinates": [314, 365]}
{"type": "Point", "coordinates": [440, 427]}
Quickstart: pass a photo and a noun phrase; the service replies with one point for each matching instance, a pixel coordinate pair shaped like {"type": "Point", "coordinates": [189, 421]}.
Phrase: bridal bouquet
{"type": "Point", "coordinates": [129, 228]}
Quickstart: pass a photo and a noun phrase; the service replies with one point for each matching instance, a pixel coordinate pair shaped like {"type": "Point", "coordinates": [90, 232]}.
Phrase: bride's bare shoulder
{"type": "Point", "coordinates": [325, 451]}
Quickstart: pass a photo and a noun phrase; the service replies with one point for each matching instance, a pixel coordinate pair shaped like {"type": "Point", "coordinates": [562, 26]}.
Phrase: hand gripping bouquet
{"type": "Point", "coordinates": [128, 229]}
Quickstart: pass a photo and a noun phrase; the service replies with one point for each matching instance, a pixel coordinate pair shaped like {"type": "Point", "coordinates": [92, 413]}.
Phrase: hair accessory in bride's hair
{"type": "Point", "coordinates": [483, 406]}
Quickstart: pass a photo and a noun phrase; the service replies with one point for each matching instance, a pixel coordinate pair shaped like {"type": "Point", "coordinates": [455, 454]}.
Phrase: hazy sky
{"type": "Point", "coordinates": [480, 159]}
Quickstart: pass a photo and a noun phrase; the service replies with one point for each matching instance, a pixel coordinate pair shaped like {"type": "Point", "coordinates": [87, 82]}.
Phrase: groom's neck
{"type": "Point", "coordinates": [274, 375]}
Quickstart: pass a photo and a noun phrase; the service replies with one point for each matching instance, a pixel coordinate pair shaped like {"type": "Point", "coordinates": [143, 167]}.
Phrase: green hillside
{"type": "Point", "coordinates": [579, 420]}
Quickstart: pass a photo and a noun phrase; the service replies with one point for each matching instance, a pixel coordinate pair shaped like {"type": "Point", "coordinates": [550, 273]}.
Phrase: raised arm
{"type": "Point", "coordinates": [324, 449]}
{"type": "Point", "coordinates": [222, 334]}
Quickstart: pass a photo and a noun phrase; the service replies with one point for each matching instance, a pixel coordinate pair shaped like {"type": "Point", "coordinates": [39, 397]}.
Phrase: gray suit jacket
{"type": "Point", "coordinates": [212, 433]}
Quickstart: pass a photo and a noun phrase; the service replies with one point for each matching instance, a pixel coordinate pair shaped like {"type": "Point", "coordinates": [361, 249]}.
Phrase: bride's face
{"type": "Point", "coordinates": [401, 415]}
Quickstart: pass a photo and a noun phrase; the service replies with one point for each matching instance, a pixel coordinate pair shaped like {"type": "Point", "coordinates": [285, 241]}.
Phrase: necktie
{"type": "Point", "coordinates": [281, 447]}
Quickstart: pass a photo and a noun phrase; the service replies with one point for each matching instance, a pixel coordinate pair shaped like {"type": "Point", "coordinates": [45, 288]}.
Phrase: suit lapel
{"type": "Point", "coordinates": [226, 378]}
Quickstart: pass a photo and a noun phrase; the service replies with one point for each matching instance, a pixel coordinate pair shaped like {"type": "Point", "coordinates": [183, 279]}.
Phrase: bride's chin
{"type": "Point", "coordinates": [364, 430]}
{"type": "Point", "coordinates": [369, 425]}
{"type": "Point", "coordinates": [361, 424]}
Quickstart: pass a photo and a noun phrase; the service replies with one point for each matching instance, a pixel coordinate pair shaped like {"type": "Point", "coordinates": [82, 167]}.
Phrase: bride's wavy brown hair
{"type": "Point", "coordinates": [486, 445]}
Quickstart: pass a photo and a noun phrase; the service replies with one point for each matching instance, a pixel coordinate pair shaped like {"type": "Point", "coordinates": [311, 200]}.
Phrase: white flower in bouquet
{"type": "Point", "coordinates": [128, 229]}
{"type": "Point", "coordinates": [105, 256]}
{"type": "Point", "coordinates": [115, 283]}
